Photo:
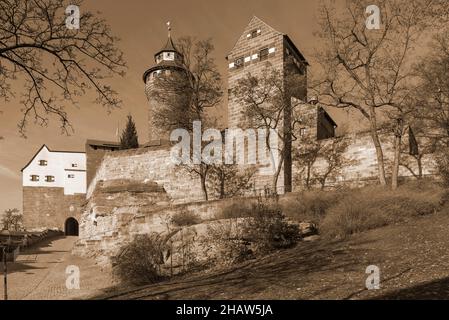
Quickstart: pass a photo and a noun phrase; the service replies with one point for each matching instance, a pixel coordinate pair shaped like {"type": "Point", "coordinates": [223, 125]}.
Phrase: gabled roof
{"type": "Point", "coordinates": [45, 146]}
{"type": "Point", "coordinates": [254, 18]}
{"type": "Point", "coordinates": [286, 37]}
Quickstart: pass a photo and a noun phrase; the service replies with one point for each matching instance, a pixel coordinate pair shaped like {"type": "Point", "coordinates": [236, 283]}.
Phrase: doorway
{"type": "Point", "coordinates": [71, 227]}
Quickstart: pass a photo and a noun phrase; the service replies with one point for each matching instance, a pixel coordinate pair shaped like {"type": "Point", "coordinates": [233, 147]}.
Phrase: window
{"type": "Point", "coordinates": [74, 165]}
{"type": "Point", "coordinates": [254, 33]}
{"type": "Point", "coordinates": [49, 178]}
{"type": "Point", "coordinates": [302, 132]}
{"type": "Point", "coordinates": [238, 62]}
{"type": "Point", "coordinates": [34, 177]}
{"type": "Point", "coordinates": [71, 176]}
{"type": "Point", "coordinates": [169, 56]}
{"type": "Point", "coordinates": [263, 54]}
{"type": "Point", "coordinates": [43, 162]}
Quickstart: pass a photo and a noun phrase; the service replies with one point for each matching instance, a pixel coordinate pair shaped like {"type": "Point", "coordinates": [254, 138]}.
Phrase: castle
{"type": "Point", "coordinates": [111, 194]}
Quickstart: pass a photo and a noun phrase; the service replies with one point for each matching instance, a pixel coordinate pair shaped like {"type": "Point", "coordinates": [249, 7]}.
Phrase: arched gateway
{"type": "Point", "coordinates": [71, 227]}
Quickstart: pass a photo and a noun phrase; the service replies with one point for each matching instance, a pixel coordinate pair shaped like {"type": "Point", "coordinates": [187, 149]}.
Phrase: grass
{"type": "Point", "coordinates": [342, 213]}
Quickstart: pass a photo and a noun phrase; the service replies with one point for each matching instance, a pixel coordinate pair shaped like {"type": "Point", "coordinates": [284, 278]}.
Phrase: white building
{"type": "Point", "coordinates": [56, 169]}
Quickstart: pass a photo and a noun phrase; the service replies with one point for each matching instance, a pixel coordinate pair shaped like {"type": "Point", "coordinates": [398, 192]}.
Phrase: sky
{"type": "Point", "coordinates": [141, 25]}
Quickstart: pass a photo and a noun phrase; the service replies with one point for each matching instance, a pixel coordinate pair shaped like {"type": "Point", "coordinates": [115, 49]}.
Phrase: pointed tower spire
{"type": "Point", "coordinates": [169, 29]}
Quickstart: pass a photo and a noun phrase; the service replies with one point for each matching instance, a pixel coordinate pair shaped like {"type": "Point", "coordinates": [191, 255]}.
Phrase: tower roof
{"type": "Point", "coordinates": [169, 46]}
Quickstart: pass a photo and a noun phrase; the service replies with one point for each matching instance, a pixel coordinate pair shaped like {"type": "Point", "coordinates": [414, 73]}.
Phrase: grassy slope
{"type": "Point", "coordinates": [412, 256]}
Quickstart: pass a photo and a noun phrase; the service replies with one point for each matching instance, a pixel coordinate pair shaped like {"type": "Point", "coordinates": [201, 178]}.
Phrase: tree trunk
{"type": "Point", "coordinates": [419, 161]}
{"type": "Point", "coordinates": [278, 171]}
{"type": "Point", "coordinates": [308, 176]}
{"type": "Point", "coordinates": [378, 146]}
{"type": "Point", "coordinates": [397, 155]}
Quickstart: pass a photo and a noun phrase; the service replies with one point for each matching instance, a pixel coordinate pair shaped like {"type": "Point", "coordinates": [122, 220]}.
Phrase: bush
{"type": "Point", "coordinates": [269, 229]}
{"type": "Point", "coordinates": [241, 209]}
{"type": "Point", "coordinates": [309, 206]}
{"type": "Point", "coordinates": [373, 207]}
{"type": "Point", "coordinates": [139, 262]}
{"type": "Point", "coordinates": [185, 219]}
{"type": "Point", "coordinates": [350, 216]}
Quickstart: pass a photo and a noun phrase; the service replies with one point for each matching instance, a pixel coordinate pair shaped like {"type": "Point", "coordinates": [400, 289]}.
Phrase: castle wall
{"type": "Point", "coordinates": [47, 208]}
{"type": "Point", "coordinates": [149, 164]}
{"type": "Point", "coordinates": [363, 168]}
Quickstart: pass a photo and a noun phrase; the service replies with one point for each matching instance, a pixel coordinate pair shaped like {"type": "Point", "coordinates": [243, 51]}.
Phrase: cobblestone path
{"type": "Point", "coordinates": [40, 273]}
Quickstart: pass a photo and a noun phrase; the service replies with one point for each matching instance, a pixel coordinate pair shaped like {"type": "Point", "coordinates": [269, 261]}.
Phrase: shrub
{"type": "Point", "coordinates": [185, 219]}
{"type": "Point", "coordinates": [309, 206]}
{"type": "Point", "coordinates": [139, 262]}
{"type": "Point", "coordinates": [241, 209]}
{"type": "Point", "coordinates": [351, 215]}
{"type": "Point", "coordinates": [373, 207]}
{"type": "Point", "coordinates": [269, 229]}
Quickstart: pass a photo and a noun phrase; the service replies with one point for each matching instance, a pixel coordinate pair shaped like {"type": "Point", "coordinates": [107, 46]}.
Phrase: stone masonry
{"type": "Point", "coordinates": [49, 207]}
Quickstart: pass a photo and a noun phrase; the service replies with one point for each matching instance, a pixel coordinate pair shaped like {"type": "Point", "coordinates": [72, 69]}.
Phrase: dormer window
{"type": "Point", "coordinates": [34, 177]}
{"type": "Point", "coordinates": [43, 162]}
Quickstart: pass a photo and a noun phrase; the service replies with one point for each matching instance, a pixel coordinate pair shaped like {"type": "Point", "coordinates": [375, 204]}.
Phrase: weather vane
{"type": "Point", "coordinates": [169, 27]}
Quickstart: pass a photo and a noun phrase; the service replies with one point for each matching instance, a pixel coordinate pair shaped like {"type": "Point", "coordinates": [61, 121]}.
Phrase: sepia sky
{"type": "Point", "coordinates": [141, 25]}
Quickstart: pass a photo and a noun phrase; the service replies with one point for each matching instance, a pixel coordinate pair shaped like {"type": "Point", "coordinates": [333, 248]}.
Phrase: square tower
{"type": "Point", "coordinates": [259, 45]}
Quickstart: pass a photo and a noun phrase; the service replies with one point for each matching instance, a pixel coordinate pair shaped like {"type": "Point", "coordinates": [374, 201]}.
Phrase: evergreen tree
{"type": "Point", "coordinates": [129, 139]}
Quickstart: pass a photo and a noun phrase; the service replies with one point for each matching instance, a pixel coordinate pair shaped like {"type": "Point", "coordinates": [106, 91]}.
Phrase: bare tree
{"type": "Point", "coordinates": [228, 181]}
{"type": "Point", "coordinates": [305, 157]}
{"type": "Point", "coordinates": [432, 94]}
{"type": "Point", "coordinates": [12, 220]}
{"type": "Point", "coordinates": [369, 70]}
{"type": "Point", "coordinates": [268, 104]}
{"type": "Point", "coordinates": [54, 63]}
{"type": "Point", "coordinates": [335, 159]}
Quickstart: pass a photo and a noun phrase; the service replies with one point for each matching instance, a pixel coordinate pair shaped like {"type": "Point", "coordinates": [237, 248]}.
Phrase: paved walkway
{"type": "Point", "coordinates": [40, 273]}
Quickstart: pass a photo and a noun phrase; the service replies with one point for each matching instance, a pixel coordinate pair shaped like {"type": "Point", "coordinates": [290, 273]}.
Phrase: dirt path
{"type": "Point", "coordinates": [40, 273]}
{"type": "Point", "coordinates": [413, 258]}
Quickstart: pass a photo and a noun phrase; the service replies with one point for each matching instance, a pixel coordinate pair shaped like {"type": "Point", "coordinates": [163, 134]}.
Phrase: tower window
{"type": "Point", "coordinates": [254, 33]}
{"type": "Point", "coordinates": [49, 178]}
{"type": "Point", "coordinates": [263, 54]}
{"type": "Point", "coordinates": [43, 162]}
{"type": "Point", "coordinates": [169, 56]}
{"type": "Point", "coordinates": [74, 165]}
{"type": "Point", "coordinates": [238, 63]}
{"type": "Point", "coordinates": [34, 177]}
{"type": "Point", "coordinates": [71, 176]}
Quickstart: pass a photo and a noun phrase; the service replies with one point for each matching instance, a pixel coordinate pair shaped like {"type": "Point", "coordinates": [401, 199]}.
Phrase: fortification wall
{"type": "Point", "coordinates": [363, 168]}
{"type": "Point", "coordinates": [149, 164]}
{"type": "Point", "coordinates": [49, 208]}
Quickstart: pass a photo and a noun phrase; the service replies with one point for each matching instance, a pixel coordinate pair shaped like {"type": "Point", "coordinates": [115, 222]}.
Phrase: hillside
{"type": "Point", "coordinates": [411, 255]}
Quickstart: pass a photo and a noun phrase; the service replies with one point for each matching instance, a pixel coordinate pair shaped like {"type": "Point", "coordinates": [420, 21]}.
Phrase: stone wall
{"type": "Point", "coordinates": [363, 169]}
{"type": "Point", "coordinates": [48, 208]}
{"type": "Point", "coordinates": [120, 209]}
{"type": "Point", "coordinates": [149, 164]}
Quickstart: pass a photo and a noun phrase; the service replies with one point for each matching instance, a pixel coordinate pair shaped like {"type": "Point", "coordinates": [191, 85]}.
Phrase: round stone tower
{"type": "Point", "coordinates": [166, 61]}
